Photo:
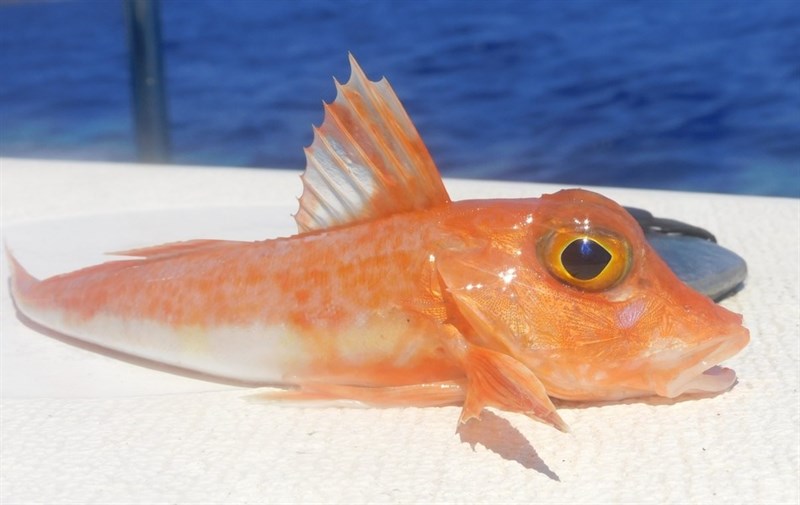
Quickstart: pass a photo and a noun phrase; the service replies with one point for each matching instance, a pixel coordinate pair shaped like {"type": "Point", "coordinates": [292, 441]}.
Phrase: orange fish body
{"type": "Point", "coordinates": [393, 294]}
{"type": "Point", "coordinates": [355, 303]}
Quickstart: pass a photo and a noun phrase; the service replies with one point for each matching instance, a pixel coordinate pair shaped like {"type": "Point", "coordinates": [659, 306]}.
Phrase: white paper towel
{"type": "Point", "coordinates": [82, 427]}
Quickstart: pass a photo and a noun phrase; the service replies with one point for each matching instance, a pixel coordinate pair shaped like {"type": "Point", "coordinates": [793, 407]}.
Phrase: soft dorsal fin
{"type": "Point", "coordinates": [174, 248]}
{"type": "Point", "coordinates": [367, 159]}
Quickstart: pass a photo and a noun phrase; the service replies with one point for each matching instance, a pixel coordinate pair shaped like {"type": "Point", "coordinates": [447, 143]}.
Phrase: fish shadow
{"type": "Point", "coordinates": [501, 437]}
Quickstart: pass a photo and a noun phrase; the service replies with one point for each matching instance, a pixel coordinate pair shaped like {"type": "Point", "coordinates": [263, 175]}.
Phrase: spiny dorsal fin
{"type": "Point", "coordinates": [367, 159]}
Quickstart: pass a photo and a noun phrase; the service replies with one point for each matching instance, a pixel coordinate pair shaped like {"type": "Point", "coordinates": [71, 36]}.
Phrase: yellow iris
{"type": "Point", "coordinates": [592, 261]}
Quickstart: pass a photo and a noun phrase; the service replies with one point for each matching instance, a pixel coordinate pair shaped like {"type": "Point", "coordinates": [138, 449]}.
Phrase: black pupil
{"type": "Point", "coordinates": [584, 259]}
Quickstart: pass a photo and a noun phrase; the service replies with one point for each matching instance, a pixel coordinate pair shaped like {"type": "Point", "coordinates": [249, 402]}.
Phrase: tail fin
{"type": "Point", "coordinates": [21, 281]}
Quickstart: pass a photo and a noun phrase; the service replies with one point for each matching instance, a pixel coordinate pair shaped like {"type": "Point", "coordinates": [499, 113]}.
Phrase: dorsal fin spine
{"type": "Point", "coordinates": [367, 160]}
{"type": "Point", "coordinates": [398, 140]}
{"type": "Point", "coordinates": [329, 182]}
{"type": "Point", "coordinates": [299, 217]}
{"type": "Point", "coordinates": [322, 201]}
{"type": "Point", "coordinates": [390, 161]}
{"type": "Point", "coordinates": [331, 113]}
{"type": "Point", "coordinates": [411, 151]}
{"type": "Point", "coordinates": [380, 165]}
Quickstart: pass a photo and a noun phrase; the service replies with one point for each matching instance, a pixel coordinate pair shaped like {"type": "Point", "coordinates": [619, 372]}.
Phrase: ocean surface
{"type": "Point", "coordinates": [700, 95]}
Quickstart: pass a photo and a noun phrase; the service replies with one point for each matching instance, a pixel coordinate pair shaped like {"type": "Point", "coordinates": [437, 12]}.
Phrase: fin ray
{"type": "Point", "coordinates": [367, 160]}
{"type": "Point", "coordinates": [498, 380]}
{"type": "Point", "coordinates": [354, 182]}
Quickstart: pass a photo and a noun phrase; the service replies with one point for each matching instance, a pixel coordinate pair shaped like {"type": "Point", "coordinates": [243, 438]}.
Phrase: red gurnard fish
{"type": "Point", "coordinates": [393, 294]}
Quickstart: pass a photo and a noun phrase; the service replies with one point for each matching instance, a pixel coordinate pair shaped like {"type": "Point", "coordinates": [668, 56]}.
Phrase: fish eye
{"type": "Point", "coordinates": [589, 261]}
{"type": "Point", "coordinates": [584, 258]}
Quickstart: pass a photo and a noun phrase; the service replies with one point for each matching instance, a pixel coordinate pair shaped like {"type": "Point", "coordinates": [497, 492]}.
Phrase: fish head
{"type": "Point", "coordinates": [572, 288]}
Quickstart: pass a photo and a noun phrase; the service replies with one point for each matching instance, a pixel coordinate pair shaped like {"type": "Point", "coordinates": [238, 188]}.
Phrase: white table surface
{"type": "Point", "coordinates": [82, 427]}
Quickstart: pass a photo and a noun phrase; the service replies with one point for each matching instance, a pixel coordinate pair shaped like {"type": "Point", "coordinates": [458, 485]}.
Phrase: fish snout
{"type": "Point", "coordinates": [697, 369]}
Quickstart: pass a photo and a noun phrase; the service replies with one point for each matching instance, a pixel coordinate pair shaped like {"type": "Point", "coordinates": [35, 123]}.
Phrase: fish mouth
{"type": "Point", "coordinates": [704, 375]}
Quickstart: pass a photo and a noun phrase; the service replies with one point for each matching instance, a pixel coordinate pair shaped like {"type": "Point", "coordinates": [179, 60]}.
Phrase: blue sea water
{"type": "Point", "coordinates": [693, 95]}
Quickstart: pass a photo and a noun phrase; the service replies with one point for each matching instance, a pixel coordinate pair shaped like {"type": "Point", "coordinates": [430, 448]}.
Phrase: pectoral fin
{"type": "Point", "coordinates": [499, 380]}
{"type": "Point", "coordinates": [491, 313]}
